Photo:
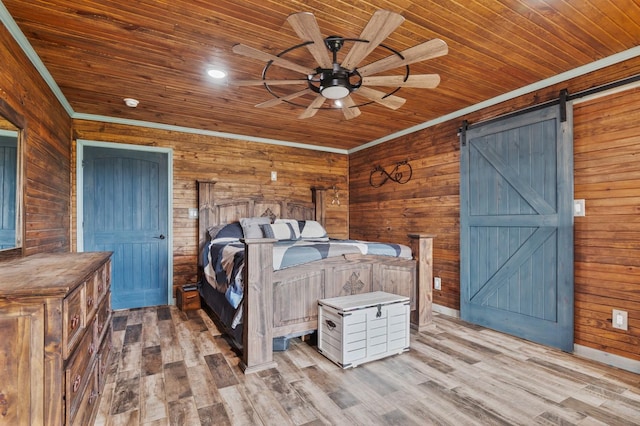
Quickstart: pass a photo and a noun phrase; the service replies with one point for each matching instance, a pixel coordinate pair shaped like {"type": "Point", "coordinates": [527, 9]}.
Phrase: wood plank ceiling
{"type": "Point", "coordinates": [158, 51]}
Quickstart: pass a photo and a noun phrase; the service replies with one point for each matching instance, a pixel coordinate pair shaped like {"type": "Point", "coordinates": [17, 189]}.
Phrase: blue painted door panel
{"type": "Point", "coordinates": [516, 236]}
{"type": "Point", "coordinates": [125, 211]}
{"type": "Point", "coordinates": [8, 175]}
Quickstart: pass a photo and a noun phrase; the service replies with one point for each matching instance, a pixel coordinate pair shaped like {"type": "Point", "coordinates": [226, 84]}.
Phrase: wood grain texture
{"type": "Point", "coordinates": [455, 373]}
{"type": "Point", "coordinates": [101, 52]}
{"type": "Point", "coordinates": [234, 166]}
{"type": "Point", "coordinates": [46, 148]}
{"type": "Point", "coordinates": [607, 265]}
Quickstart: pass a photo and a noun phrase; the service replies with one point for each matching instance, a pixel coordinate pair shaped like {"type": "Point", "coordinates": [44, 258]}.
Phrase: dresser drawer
{"type": "Point", "coordinates": [91, 297]}
{"type": "Point", "coordinates": [73, 319]}
{"type": "Point", "coordinates": [88, 401]}
{"type": "Point", "coordinates": [104, 354]}
{"type": "Point", "coordinates": [103, 280]}
{"type": "Point", "coordinates": [102, 318]}
{"type": "Point", "coordinates": [76, 373]}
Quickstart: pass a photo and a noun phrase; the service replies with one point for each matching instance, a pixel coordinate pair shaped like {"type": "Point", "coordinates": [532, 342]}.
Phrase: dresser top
{"type": "Point", "coordinates": [48, 274]}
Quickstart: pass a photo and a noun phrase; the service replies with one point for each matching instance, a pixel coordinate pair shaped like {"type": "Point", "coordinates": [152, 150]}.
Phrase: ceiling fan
{"type": "Point", "coordinates": [336, 81]}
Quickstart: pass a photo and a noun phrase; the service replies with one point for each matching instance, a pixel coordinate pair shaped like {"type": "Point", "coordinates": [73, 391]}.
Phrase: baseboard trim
{"type": "Point", "coordinates": [445, 311]}
{"type": "Point", "coordinates": [607, 358]}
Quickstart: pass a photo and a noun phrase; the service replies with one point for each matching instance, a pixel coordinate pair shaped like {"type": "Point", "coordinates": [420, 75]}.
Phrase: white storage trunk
{"type": "Point", "coordinates": [363, 327]}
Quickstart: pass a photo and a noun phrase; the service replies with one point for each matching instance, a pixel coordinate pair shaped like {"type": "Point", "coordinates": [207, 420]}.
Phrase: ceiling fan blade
{"type": "Point", "coordinates": [381, 24]}
{"type": "Point", "coordinates": [349, 108]}
{"type": "Point", "coordinates": [391, 101]}
{"type": "Point", "coordinates": [422, 81]}
{"type": "Point", "coordinates": [306, 26]}
{"type": "Point", "coordinates": [250, 52]}
{"type": "Point", "coordinates": [269, 82]}
{"type": "Point", "coordinates": [421, 52]}
{"type": "Point", "coordinates": [313, 107]}
{"type": "Point", "coordinates": [277, 101]}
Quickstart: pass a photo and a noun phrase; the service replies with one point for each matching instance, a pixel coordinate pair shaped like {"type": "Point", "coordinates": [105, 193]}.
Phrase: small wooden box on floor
{"type": "Point", "coordinates": [187, 300]}
{"type": "Point", "coordinates": [363, 327]}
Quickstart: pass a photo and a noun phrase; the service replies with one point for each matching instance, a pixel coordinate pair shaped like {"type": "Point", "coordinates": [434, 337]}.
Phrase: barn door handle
{"type": "Point", "coordinates": [161, 237]}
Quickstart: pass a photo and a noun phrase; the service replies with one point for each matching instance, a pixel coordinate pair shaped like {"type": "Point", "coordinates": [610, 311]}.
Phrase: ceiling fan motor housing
{"type": "Point", "coordinates": [335, 83]}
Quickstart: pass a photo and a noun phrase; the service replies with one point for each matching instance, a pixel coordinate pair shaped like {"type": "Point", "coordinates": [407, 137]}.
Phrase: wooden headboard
{"type": "Point", "coordinates": [213, 211]}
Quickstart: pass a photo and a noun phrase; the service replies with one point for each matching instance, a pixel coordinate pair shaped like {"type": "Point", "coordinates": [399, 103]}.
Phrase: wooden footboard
{"type": "Point", "coordinates": [285, 302]}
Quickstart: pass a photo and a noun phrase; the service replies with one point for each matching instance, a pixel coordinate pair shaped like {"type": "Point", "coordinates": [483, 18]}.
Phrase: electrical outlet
{"type": "Point", "coordinates": [619, 319]}
{"type": "Point", "coordinates": [274, 176]}
{"type": "Point", "coordinates": [437, 283]}
{"type": "Point", "coordinates": [193, 213]}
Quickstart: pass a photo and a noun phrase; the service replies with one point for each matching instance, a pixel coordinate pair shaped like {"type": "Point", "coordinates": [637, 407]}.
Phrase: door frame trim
{"type": "Point", "coordinates": [80, 145]}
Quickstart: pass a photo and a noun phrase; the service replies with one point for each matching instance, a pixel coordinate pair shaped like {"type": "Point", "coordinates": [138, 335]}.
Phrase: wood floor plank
{"type": "Point", "coordinates": [152, 398]}
{"type": "Point", "coordinates": [151, 360]}
{"type": "Point", "coordinates": [170, 367]}
{"type": "Point", "coordinates": [126, 395]}
{"type": "Point", "coordinates": [214, 415]}
{"type": "Point", "coordinates": [239, 408]}
{"type": "Point", "coordinates": [171, 350]}
{"type": "Point", "coordinates": [203, 387]}
{"type": "Point", "coordinates": [150, 335]}
{"type": "Point", "coordinates": [266, 404]}
{"type": "Point", "coordinates": [289, 399]}
{"type": "Point", "coordinates": [176, 381]}
{"type": "Point", "coordinates": [131, 357]}
{"type": "Point", "coordinates": [183, 412]}
{"type": "Point", "coordinates": [220, 370]}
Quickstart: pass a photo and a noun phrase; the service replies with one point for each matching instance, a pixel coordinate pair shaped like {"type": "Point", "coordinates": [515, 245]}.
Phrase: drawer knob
{"type": "Point", "coordinates": [92, 349]}
{"type": "Point", "coordinates": [76, 383]}
{"type": "Point", "coordinates": [92, 397]}
{"type": "Point", "coordinates": [4, 405]}
{"type": "Point", "coordinates": [75, 321]}
{"type": "Point", "coordinates": [100, 287]}
{"type": "Point", "coordinates": [90, 302]}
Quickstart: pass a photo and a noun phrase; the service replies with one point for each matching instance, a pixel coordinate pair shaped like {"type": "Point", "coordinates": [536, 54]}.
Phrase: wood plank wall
{"type": "Point", "coordinates": [230, 163]}
{"type": "Point", "coordinates": [429, 203]}
{"type": "Point", "coordinates": [47, 150]}
{"type": "Point", "coordinates": [607, 239]}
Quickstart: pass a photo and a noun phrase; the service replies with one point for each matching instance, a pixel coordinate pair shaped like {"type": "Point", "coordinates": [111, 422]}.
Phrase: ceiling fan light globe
{"type": "Point", "coordinates": [334, 92]}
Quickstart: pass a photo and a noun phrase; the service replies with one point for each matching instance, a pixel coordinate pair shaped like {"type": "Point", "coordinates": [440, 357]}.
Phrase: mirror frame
{"type": "Point", "coordinates": [18, 121]}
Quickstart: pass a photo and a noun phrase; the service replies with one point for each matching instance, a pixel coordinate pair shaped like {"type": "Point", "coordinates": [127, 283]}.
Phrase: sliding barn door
{"type": "Point", "coordinates": [516, 236]}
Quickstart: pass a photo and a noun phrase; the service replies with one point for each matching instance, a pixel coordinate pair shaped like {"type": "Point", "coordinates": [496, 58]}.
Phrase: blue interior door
{"type": "Point", "coordinates": [516, 236]}
{"type": "Point", "coordinates": [125, 204]}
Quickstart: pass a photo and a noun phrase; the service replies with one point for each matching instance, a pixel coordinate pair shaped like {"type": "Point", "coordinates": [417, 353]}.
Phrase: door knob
{"type": "Point", "coordinates": [161, 237]}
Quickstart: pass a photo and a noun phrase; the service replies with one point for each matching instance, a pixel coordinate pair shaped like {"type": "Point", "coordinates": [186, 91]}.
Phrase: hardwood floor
{"type": "Point", "coordinates": [174, 368]}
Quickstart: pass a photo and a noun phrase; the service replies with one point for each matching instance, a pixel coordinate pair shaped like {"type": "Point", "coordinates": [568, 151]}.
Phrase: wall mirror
{"type": "Point", "coordinates": [11, 183]}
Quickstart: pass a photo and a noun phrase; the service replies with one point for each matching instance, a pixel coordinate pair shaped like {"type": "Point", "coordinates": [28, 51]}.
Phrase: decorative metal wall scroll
{"type": "Point", "coordinates": [401, 173]}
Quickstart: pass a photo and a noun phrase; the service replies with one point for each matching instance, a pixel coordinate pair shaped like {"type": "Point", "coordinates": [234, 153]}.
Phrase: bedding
{"type": "Point", "coordinates": [223, 258]}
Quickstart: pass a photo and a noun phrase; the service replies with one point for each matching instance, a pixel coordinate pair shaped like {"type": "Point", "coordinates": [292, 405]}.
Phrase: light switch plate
{"type": "Point", "coordinates": [193, 213]}
{"type": "Point", "coordinates": [578, 208]}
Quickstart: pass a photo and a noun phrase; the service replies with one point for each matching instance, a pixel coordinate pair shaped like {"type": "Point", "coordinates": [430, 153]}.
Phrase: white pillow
{"type": "Point", "coordinates": [294, 224]}
{"type": "Point", "coordinates": [251, 226]}
{"type": "Point", "coordinates": [279, 231]}
{"type": "Point", "coordinates": [313, 231]}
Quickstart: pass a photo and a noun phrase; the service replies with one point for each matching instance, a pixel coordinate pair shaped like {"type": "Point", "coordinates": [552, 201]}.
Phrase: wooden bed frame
{"type": "Point", "coordinates": [269, 296]}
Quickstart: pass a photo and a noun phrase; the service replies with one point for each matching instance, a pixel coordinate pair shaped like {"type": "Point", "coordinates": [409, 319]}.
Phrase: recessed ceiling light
{"type": "Point", "coordinates": [213, 73]}
{"type": "Point", "coordinates": [131, 103]}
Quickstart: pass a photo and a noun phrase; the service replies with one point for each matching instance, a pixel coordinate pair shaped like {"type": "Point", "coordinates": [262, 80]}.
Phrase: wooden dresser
{"type": "Point", "coordinates": [55, 328]}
